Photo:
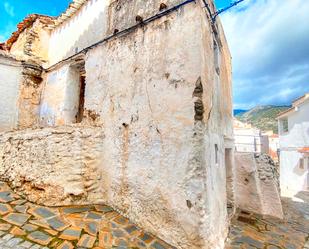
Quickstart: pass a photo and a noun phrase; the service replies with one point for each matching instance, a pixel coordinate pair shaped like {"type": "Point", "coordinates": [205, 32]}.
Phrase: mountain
{"type": "Point", "coordinates": [262, 117]}
{"type": "Point", "coordinates": [239, 111]}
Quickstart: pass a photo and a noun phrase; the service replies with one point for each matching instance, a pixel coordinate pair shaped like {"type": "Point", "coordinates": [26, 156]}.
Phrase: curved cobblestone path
{"type": "Point", "coordinates": [251, 231]}
{"type": "Point", "coordinates": [26, 225]}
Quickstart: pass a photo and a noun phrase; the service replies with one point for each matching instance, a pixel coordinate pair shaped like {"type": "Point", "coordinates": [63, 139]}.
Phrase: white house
{"type": "Point", "coordinates": [273, 143]}
{"type": "Point", "coordinates": [294, 147]}
{"type": "Point", "coordinates": [249, 139]}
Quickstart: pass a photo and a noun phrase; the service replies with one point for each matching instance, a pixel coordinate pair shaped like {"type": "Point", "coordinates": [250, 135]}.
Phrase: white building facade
{"type": "Point", "coordinates": [249, 139]}
{"type": "Point", "coordinates": [294, 147]}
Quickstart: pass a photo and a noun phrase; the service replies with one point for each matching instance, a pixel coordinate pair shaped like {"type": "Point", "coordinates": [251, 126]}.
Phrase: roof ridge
{"type": "Point", "coordinates": [73, 7]}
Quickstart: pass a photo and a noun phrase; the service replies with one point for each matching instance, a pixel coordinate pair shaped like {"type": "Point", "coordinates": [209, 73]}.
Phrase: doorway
{"type": "Point", "coordinates": [229, 181]}
{"type": "Point", "coordinates": [82, 87]}
{"type": "Point", "coordinates": [81, 103]}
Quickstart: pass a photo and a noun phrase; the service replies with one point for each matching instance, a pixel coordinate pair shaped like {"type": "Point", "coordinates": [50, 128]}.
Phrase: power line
{"type": "Point", "coordinates": [123, 32]}
{"type": "Point", "coordinates": [214, 15]}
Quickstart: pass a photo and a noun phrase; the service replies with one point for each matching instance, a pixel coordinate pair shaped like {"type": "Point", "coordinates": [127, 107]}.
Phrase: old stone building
{"type": "Point", "coordinates": [126, 103]}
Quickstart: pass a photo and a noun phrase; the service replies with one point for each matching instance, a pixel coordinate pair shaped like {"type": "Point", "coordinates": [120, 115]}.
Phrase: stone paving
{"type": "Point", "coordinates": [26, 225]}
{"type": "Point", "coordinates": [251, 231]}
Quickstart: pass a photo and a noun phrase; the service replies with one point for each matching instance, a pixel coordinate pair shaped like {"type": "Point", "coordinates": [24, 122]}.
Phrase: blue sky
{"type": "Point", "coordinates": [13, 11]}
{"type": "Point", "coordinates": [268, 40]}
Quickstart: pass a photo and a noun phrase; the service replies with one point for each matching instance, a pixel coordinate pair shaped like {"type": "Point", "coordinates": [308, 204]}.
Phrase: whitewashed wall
{"type": "Point", "coordinates": [10, 80]}
{"type": "Point", "coordinates": [84, 29]}
{"type": "Point", "coordinates": [159, 165]}
{"type": "Point", "coordinates": [248, 140]}
{"type": "Point", "coordinates": [38, 48]}
{"type": "Point", "coordinates": [292, 178]}
{"type": "Point", "coordinates": [141, 86]}
{"type": "Point", "coordinates": [60, 100]}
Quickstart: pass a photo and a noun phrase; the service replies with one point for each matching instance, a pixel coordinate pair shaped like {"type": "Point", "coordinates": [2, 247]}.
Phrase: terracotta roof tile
{"type": "Point", "coordinates": [304, 150]}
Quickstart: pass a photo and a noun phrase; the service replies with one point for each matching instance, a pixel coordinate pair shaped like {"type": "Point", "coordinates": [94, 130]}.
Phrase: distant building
{"type": "Point", "coordinates": [294, 147]}
{"type": "Point", "coordinates": [249, 139]}
{"type": "Point", "coordinates": [273, 144]}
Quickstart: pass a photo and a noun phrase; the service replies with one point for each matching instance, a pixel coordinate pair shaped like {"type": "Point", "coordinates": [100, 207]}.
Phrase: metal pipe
{"type": "Point", "coordinates": [122, 32]}
{"type": "Point", "coordinates": [214, 16]}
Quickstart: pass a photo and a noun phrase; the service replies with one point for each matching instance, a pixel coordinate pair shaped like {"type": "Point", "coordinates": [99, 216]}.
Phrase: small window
{"type": "Point", "coordinates": [216, 154]}
{"type": "Point", "coordinates": [285, 125]}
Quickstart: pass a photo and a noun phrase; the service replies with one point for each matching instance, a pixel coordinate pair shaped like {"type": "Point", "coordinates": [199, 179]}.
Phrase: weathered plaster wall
{"type": "Point", "coordinates": [53, 165]}
{"type": "Point", "coordinates": [293, 178]}
{"type": "Point", "coordinates": [159, 161]}
{"type": "Point", "coordinates": [29, 96]}
{"type": "Point", "coordinates": [257, 184]}
{"type": "Point", "coordinates": [224, 69]}
{"type": "Point", "coordinates": [10, 80]}
{"type": "Point", "coordinates": [60, 99]}
{"type": "Point", "coordinates": [32, 44]}
{"type": "Point", "coordinates": [162, 94]}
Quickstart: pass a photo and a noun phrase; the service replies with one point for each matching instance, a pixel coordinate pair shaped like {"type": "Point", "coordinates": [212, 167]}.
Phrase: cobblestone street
{"type": "Point", "coordinates": [251, 231]}
{"type": "Point", "coordinates": [26, 225]}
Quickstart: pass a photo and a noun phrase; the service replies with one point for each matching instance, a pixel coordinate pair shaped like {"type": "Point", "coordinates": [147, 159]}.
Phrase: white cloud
{"type": "Point", "coordinates": [269, 42]}
{"type": "Point", "coordinates": [9, 9]}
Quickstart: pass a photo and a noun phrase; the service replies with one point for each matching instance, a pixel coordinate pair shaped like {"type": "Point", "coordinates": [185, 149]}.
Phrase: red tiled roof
{"type": "Point", "coordinates": [304, 150]}
{"type": "Point", "coordinates": [274, 136]}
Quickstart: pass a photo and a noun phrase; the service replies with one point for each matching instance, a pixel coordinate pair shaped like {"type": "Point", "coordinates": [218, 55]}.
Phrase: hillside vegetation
{"type": "Point", "coordinates": [262, 117]}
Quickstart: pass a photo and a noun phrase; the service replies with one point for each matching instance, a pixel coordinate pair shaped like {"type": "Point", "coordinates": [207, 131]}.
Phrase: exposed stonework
{"type": "Point", "coordinates": [268, 170]}
{"type": "Point", "coordinates": [257, 188]}
{"type": "Point", "coordinates": [30, 96]}
{"type": "Point", "coordinates": [30, 42]}
{"type": "Point", "coordinates": [53, 166]}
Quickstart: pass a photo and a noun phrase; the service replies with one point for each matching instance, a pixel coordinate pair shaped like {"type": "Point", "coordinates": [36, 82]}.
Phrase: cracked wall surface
{"type": "Point", "coordinates": [161, 94]}
{"type": "Point", "coordinates": [158, 97]}
{"type": "Point", "coordinates": [32, 43]}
